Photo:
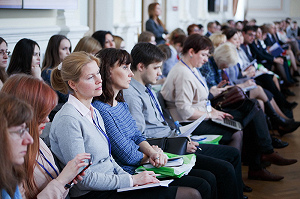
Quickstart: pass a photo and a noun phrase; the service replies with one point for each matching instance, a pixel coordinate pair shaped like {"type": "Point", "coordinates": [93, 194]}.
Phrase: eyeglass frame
{"type": "Point", "coordinates": [7, 52]}
{"type": "Point", "coordinates": [21, 132]}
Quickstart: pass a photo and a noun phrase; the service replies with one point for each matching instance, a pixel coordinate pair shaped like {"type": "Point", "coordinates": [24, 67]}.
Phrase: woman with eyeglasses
{"type": "Point", "coordinates": [3, 61]}
{"type": "Point", "coordinates": [42, 175]}
{"type": "Point", "coordinates": [14, 140]}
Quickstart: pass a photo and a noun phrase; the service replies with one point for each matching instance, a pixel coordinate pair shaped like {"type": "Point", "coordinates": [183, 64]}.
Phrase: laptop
{"type": "Point", "coordinates": [229, 123]}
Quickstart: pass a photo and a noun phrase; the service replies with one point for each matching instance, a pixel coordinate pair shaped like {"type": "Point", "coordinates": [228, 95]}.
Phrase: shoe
{"type": "Point", "coordinates": [295, 80]}
{"type": "Point", "coordinates": [288, 129]}
{"type": "Point", "coordinates": [288, 92]}
{"type": "Point", "coordinates": [278, 143]}
{"type": "Point", "coordinates": [245, 197]}
{"type": "Point", "coordinates": [247, 189]}
{"type": "Point", "coordinates": [275, 118]}
{"type": "Point", "coordinates": [291, 105]}
{"type": "Point", "coordinates": [263, 174]}
{"type": "Point", "coordinates": [275, 158]}
{"type": "Point", "coordinates": [296, 74]}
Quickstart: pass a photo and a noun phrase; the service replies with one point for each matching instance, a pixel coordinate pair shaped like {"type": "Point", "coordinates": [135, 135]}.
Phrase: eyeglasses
{"type": "Point", "coordinates": [251, 35]}
{"type": "Point", "coordinates": [5, 52]}
{"type": "Point", "coordinates": [21, 132]}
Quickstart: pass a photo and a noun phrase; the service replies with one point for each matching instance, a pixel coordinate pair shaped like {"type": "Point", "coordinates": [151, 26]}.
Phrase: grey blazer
{"type": "Point", "coordinates": [71, 134]}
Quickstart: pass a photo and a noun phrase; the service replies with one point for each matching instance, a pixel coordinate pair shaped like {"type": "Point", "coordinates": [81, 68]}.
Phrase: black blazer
{"type": "Point", "coordinates": [260, 53]}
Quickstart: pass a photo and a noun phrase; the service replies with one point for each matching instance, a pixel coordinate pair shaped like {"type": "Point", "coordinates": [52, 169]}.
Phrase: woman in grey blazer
{"type": "Point", "coordinates": [78, 128]}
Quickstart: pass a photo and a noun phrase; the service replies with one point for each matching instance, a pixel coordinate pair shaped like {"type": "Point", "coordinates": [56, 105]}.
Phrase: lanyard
{"type": "Point", "coordinates": [108, 141]}
{"type": "Point", "coordinates": [195, 75]}
{"type": "Point", "coordinates": [101, 130]}
{"type": "Point", "coordinates": [155, 102]}
{"type": "Point", "coordinates": [49, 164]}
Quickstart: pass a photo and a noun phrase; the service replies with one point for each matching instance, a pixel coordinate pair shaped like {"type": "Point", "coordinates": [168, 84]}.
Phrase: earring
{"type": "Point", "coordinates": [191, 56]}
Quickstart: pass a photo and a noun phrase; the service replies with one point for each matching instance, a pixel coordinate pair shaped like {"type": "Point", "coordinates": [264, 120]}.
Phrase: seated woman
{"type": "Point", "coordinates": [186, 95]}
{"type": "Point", "coordinates": [78, 128]}
{"type": "Point", "coordinates": [3, 61]}
{"type": "Point", "coordinates": [58, 48]}
{"type": "Point", "coordinates": [14, 141]}
{"type": "Point", "coordinates": [147, 37]}
{"type": "Point", "coordinates": [119, 41]}
{"type": "Point", "coordinates": [25, 59]}
{"type": "Point", "coordinates": [105, 38]}
{"type": "Point", "coordinates": [88, 44]}
{"type": "Point", "coordinates": [42, 176]}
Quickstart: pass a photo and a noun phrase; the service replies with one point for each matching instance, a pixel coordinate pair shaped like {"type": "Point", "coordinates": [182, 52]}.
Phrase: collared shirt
{"type": "Point", "coordinates": [145, 112]}
{"type": "Point", "coordinates": [82, 109]}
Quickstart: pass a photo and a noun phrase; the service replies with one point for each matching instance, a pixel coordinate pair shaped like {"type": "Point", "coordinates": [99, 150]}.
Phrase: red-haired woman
{"type": "Point", "coordinates": [43, 178]}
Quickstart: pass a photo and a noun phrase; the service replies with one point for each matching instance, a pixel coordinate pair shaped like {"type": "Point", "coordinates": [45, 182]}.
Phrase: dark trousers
{"type": "Point", "coordinates": [149, 193]}
{"type": "Point", "coordinates": [256, 137]}
{"type": "Point", "coordinates": [204, 181]}
{"type": "Point", "coordinates": [266, 81]}
{"type": "Point", "coordinates": [225, 163]}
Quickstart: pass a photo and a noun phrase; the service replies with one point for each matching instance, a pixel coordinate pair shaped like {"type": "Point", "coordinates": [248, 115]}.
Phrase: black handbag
{"type": "Point", "coordinates": [175, 145]}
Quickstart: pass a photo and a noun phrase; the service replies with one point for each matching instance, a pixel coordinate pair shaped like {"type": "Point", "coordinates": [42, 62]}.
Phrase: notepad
{"type": "Point", "coordinates": [172, 162]}
{"type": "Point", "coordinates": [163, 183]}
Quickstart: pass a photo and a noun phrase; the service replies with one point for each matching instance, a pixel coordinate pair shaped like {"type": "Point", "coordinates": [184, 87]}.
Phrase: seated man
{"type": "Point", "coordinates": [145, 109]}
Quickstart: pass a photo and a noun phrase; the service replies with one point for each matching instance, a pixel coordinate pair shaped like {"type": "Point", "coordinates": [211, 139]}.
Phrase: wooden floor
{"type": "Point", "coordinates": [289, 187]}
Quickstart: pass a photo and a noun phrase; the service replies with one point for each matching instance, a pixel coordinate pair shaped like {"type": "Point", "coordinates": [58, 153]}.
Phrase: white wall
{"type": "Point", "coordinates": [268, 11]}
{"type": "Point", "coordinates": [40, 25]}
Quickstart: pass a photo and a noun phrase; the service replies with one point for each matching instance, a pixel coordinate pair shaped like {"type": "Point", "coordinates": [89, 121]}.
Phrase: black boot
{"type": "Point", "coordinates": [275, 118]}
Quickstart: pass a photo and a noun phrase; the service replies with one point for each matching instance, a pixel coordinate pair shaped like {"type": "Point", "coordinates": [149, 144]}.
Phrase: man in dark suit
{"type": "Point", "coordinates": [211, 28]}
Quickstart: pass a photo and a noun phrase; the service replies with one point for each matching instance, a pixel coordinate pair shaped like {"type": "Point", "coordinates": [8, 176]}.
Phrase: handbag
{"type": "Point", "coordinates": [175, 145]}
{"type": "Point", "coordinates": [233, 98]}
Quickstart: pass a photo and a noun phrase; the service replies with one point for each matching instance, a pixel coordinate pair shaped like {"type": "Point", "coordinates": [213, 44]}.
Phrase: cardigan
{"type": "Point", "coordinates": [71, 133]}
{"type": "Point", "coordinates": [123, 134]}
{"type": "Point", "coordinates": [183, 92]}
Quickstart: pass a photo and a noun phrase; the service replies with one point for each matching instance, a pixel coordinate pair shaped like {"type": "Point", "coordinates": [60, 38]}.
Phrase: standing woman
{"type": "Point", "coordinates": [42, 176]}
{"type": "Point", "coordinates": [78, 127]}
{"type": "Point", "coordinates": [58, 48]}
{"type": "Point", "coordinates": [3, 61]}
{"type": "Point", "coordinates": [155, 25]}
{"type": "Point", "coordinates": [25, 59]}
{"type": "Point", "coordinates": [14, 139]}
